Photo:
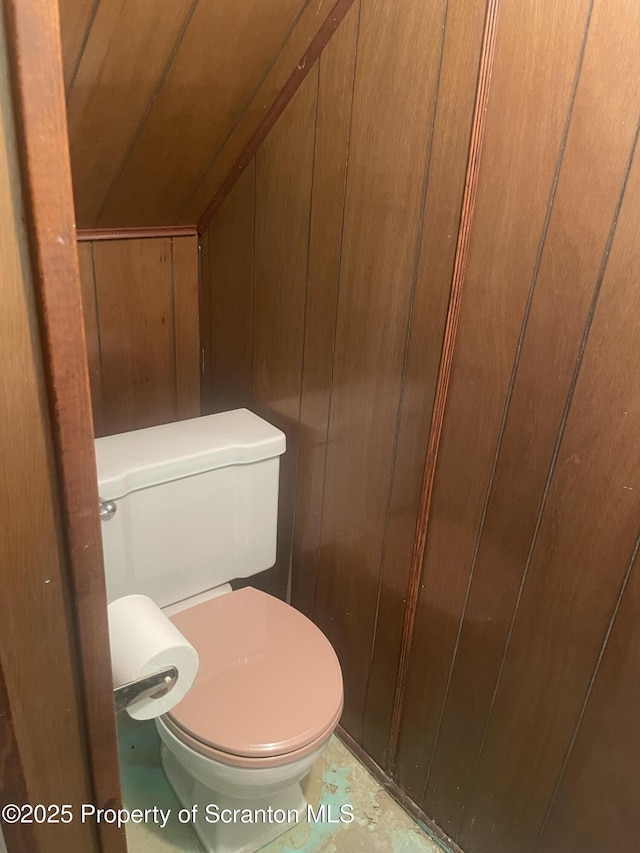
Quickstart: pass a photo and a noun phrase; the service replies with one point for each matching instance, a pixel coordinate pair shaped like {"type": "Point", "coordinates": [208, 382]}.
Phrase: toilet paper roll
{"type": "Point", "coordinates": [143, 640]}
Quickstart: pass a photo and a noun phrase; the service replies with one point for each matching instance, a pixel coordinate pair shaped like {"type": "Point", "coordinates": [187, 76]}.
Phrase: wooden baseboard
{"type": "Point", "coordinates": [94, 234]}
{"type": "Point", "coordinates": [395, 791]}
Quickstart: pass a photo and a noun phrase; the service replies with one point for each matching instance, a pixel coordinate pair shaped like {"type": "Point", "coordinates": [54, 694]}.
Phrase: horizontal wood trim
{"type": "Point", "coordinates": [292, 85]}
{"type": "Point", "coordinates": [395, 791]}
{"type": "Point", "coordinates": [96, 234]}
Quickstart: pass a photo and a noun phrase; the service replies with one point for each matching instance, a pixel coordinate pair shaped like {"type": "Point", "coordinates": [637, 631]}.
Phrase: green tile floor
{"type": "Point", "coordinates": [380, 825]}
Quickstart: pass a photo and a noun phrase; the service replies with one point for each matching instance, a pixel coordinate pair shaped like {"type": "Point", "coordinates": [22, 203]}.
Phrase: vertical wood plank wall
{"type": "Point", "coordinates": [534, 519]}
{"type": "Point", "coordinates": [141, 325]}
{"type": "Point", "coordinates": [326, 277]}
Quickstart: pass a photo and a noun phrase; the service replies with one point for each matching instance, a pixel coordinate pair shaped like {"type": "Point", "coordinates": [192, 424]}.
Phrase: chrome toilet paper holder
{"type": "Point", "coordinates": [152, 686]}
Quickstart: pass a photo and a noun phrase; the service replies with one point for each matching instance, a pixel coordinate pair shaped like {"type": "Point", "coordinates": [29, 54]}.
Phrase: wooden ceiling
{"type": "Point", "coordinates": [162, 97]}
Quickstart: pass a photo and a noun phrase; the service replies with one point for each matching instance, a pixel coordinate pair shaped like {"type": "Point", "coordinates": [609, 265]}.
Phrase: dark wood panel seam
{"type": "Point", "coordinates": [207, 356]}
{"type": "Point", "coordinates": [444, 373]}
{"type": "Point", "coordinates": [603, 649]}
{"type": "Point", "coordinates": [83, 45]}
{"type": "Point", "coordinates": [335, 324]}
{"type": "Point", "coordinates": [416, 268]}
{"type": "Point", "coordinates": [206, 382]}
{"type": "Point", "coordinates": [552, 467]}
{"type": "Point", "coordinates": [292, 85]}
{"type": "Point", "coordinates": [176, 413]}
{"type": "Point", "coordinates": [95, 235]}
{"type": "Point", "coordinates": [304, 331]}
{"type": "Point", "coordinates": [396, 792]}
{"type": "Point", "coordinates": [212, 304]}
{"type": "Point", "coordinates": [509, 394]}
{"type": "Point", "coordinates": [248, 103]}
{"type": "Point", "coordinates": [204, 322]}
{"type": "Point", "coordinates": [253, 283]}
{"type": "Point", "coordinates": [152, 100]}
{"type": "Point", "coordinates": [99, 336]}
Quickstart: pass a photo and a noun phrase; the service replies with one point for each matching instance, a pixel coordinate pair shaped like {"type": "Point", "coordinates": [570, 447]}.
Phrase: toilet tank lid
{"type": "Point", "coordinates": [148, 457]}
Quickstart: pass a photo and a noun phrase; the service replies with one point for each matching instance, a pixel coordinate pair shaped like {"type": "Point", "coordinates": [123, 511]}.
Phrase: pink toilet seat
{"type": "Point", "coordinates": [242, 760]}
{"type": "Point", "coordinates": [269, 685]}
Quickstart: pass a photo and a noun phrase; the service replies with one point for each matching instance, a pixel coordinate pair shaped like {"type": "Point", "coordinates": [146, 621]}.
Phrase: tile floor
{"type": "Point", "coordinates": [380, 825]}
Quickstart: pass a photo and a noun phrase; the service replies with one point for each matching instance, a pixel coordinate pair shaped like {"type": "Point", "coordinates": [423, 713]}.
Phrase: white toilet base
{"type": "Point", "coordinates": [235, 836]}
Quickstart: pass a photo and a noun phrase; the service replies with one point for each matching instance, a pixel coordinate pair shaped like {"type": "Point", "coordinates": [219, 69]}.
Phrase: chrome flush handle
{"type": "Point", "coordinates": [107, 509]}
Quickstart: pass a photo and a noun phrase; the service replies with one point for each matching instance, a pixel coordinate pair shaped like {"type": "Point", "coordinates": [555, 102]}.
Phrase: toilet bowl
{"type": "Point", "coordinates": [267, 698]}
{"type": "Point", "coordinates": [193, 505]}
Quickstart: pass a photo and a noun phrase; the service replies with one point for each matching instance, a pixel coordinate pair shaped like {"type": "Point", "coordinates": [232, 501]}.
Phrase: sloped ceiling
{"type": "Point", "coordinates": [163, 95]}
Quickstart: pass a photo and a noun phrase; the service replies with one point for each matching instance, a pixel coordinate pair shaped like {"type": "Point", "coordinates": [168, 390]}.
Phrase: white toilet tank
{"type": "Point", "coordinates": [196, 504]}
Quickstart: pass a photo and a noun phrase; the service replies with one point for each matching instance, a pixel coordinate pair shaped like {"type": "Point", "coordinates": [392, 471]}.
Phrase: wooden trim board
{"type": "Point", "coordinates": [33, 40]}
{"type": "Point", "coordinates": [93, 235]}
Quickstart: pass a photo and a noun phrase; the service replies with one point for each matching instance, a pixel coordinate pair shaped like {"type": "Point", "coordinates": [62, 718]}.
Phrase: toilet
{"type": "Point", "coordinates": [187, 508]}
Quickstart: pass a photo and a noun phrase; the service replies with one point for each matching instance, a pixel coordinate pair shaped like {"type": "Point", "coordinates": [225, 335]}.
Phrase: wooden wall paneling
{"type": "Point", "coordinates": [204, 321]}
{"type": "Point", "coordinates": [535, 45]}
{"type": "Point", "coordinates": [462, 41]}
{"type": "Point", "coordinates": [124, 62]}
{"type": "Point", "coordinates": [585, 538]}
{"type": "Point", "coordinates": [184, 265]}
{"type": "Point", "coordinates": [53, 602]}
{"type": "Point", "coordinates": [230, 265]}
{"type": "Point", "coordinates": [586, 197]}
{"type": "Point", "coordinates": [135, 310]}
{"type": "Point", "coordinates": [596, 805]}
{"type": "Point", "coordinates": [284, 170]}
{"type": "Point", "coordinates": [335, 89]}
{"type": "Point", "coordinates": [272, 112]}
{"type": "Point", "coordinates": [219, 63]}
{"type": "Point", "coordinates": [141, 310]}
{"type": "Point", "coordinates": [264, 101]}
{"type": "Point", "coordinates": [75, 21]}
{"type": "Point", "coordinates": [92, 334]}
{"type": "Point", "coordinates": [398, 56]}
